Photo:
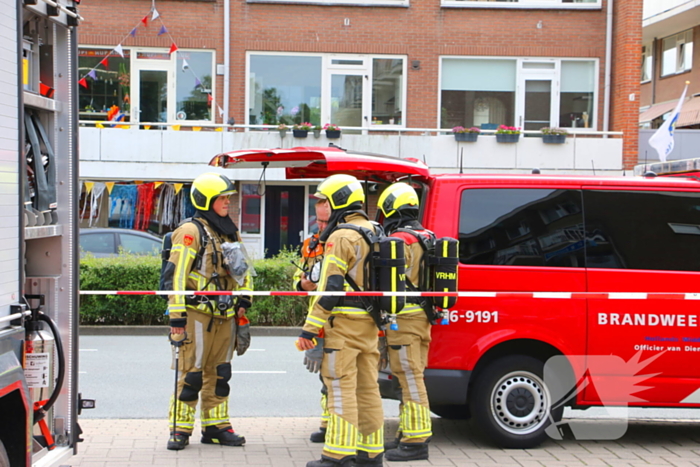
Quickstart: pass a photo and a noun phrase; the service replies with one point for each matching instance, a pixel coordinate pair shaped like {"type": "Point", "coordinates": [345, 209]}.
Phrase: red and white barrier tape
{"type": "Point", "coordinates": [554, 295]}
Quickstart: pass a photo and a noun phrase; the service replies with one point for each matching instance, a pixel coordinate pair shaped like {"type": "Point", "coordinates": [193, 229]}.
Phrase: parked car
{"type": "Point", "coordinates": [101, 242]}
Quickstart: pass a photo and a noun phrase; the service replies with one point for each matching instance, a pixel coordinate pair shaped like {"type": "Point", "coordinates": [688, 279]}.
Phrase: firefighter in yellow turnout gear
{"type": "Point", "coordinates": [349, 368]}
{"type": "Point", "coordinates": [408, 346]}
{"type": "Point", "coordinates": [214, 326]}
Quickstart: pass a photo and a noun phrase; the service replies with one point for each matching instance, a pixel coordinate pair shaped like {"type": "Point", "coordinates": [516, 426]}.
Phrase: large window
{"type": "Point", "coordinates": [647, 63]}
{"type": "Point", "coordinates": [677, 53]}
{"type": "Point", "coordinates": [527, 93]}
{"type": "Point", "coordinates": [583, 4]}
{"type": "Point", "coordinates": [478, 92]}
{"type": "Point", "coordinates": [643, 230]}
{"type": "Point", "coordinates": [138, 87]}
{"type": "Point", "coordinates": [250, 209]}
{"type": "Point", "coordinates": [348, 90]}
{"type": "Point", "coordinates": [521, 227]}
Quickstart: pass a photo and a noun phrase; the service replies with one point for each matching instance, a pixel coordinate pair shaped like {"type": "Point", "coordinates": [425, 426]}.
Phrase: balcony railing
{"type": "Point", "coordinates": [162, 153]}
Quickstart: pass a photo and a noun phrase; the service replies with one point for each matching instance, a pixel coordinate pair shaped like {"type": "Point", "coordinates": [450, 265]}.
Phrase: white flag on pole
{"type": "Point", "coordinates": [662, 140]}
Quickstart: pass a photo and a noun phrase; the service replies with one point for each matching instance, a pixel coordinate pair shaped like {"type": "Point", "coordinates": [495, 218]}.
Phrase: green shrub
{"type": "Point", "coordinates": [129, 272]}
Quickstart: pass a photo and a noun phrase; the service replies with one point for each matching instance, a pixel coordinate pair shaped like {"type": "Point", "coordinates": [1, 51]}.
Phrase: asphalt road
{"type": "Point", "coordinates": [130, 377]}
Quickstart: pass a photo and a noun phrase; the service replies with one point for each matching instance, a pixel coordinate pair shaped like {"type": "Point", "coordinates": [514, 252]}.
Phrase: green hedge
{"type": "Point", "coordinates": [128, 272]}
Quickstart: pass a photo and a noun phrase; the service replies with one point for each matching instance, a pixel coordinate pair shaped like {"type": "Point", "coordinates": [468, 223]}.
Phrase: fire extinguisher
{"type": "Point", "coordinates": [41, 347]}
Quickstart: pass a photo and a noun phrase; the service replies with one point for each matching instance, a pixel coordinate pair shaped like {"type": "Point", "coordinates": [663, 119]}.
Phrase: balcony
{"type": "Point", "coordinates": [132, 154]}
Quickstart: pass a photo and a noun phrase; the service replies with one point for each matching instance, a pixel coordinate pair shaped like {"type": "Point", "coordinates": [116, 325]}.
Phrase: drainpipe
{"type": "Point", "coordinates": [227, 53]}
{"type": "Point", "coordinates": [608, 71]}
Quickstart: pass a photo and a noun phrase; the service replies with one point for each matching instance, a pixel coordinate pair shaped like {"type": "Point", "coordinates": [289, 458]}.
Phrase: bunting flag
{"type": "Point", "coordinates": [88, 187]}
{"type": "Point", "coordinates": [118, 49]}
{"type": "Point", "coordinates": [133, 33]}
{"type": "Point", "coordinates": [209, 99]}
{"type": "Point", "coordinates": [219, 128]}
{"type": "Point", "coordinates": [105, 63]}
{"type": "Point", "coordinates": [162, 31]}
{"type": "Point", "coordinates": [196, 128]}
{"type": "Point", "coordinates": [185, 65]}
{"type": "Point", "coordinates": [157, 184]}
{"type": "Point", "coordinates": [221, 111]}
{"type": "Point", "coordinates": [92, 74]}
{"type": "Point", "coordinates": [110, 186]}
{"type": "Point", "coordinates": [83, 83]}
{"type": "Point", "coordinates": [145, 21]}
{"type": "Point", "coordinates": [155, 14]}
{"type": "Point", "coordinates": [197, 82]}
{"type": "Point", "coordinates": [99, 125]}
{"type": "Point", "coordinates": [178, 187]}
{"type": "Point", "coordinates": [173, 48]}
{"type": "Point", "coordinates": [147, 127]}
{"type": "Point", "coordinates": [176, 127]}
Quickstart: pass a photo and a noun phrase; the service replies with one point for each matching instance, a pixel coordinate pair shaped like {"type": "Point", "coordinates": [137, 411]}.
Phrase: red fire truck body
{"type": "Point", "coordinates": [599, 270]}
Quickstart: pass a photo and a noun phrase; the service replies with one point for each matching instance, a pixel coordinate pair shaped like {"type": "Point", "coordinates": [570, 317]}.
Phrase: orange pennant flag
{"type": "Point", "coordinates": [89, 186]}
{"type": "Point", "coordinates": [157, 184]}
{"type": "Point", "coordinates": [147, 127]}
{"type": "Point", "coordinates": [178, 187]}
{"type": "Point", "coordinates": [110, 186]}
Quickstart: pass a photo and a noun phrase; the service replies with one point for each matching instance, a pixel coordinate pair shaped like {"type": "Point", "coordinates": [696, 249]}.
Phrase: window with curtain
{"type": "Point", "coordinates": [477, 92]}
{"type": "Point", "coordinates": [576, 96]}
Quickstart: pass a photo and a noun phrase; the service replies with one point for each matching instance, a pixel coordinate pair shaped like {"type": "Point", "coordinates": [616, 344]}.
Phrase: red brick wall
{"type": "Point", "coordinates": [423, 32]}
{"type": "Point", "coordinates": [626, 57]}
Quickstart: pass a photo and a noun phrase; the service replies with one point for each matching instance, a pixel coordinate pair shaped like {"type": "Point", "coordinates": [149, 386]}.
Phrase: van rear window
{"type": "Point", "coordinates": [522, 227]}
{"type": "Point", "coordinates": [643, 230]}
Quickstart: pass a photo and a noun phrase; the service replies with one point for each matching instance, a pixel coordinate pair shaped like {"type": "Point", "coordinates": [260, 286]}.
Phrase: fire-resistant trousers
{"type": "Point", "coordinates": [408, 356]}
{"type": "Point", "coordinates": [324, 404]}
{"type": "Point", "coordinates": [349, 369]}
{"type": "Point", "coordinates": [204, 372]}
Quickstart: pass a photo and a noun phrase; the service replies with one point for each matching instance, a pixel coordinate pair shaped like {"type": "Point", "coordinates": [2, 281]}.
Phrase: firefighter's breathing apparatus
{"type": "Point", "coordinates": [39, 341]}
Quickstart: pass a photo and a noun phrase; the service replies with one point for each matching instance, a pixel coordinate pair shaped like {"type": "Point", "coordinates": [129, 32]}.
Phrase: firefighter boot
{"type": "Point", "coordinates": [394, 443]}
{"type": "Point", "coordinates": [408, 452]}
{"type": "Point", "coordinates": [222, 436]}
{"type": "Point", "coordinates": [364, 459]}
{"type": "Point", "coordinates": [178, 441]}
{"type": "Point", "coordinates": [346, 461]}
{"type": "Point", "coordinates": [318, 436]}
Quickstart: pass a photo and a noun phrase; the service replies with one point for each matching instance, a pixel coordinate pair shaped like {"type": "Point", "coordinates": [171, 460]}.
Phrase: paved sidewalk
{"type": "Point", "coordinates": [284, 442]}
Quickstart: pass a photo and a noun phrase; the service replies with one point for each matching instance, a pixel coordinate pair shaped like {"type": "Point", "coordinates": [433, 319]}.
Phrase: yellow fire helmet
{"type": "Point", "coordinates": [341, 191]}
{"type": "Point", "coordinates": [396, 197]}
{"type": "Point", "coordinates": [208, 186]}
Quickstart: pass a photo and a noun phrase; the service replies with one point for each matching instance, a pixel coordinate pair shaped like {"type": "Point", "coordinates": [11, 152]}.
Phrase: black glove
{"type": "Point", "coordinates": [242, 336]}
{"type": "Point", "coordinates": [314, 357]}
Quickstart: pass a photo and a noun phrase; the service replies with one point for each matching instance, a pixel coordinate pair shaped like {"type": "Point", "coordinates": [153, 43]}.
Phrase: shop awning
{"type": "Point", "coordinates": [690, 113]}
{"type": "Point", "coordinates": [656, 111]}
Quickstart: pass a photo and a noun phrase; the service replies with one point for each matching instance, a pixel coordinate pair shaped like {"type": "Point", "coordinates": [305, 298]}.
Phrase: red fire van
{"type": "Point", "coordinates": [571, 266]}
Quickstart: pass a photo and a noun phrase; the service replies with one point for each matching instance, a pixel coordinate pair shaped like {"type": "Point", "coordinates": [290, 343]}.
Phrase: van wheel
{"type": "Point", "coordinates": [4, 460]}
{"type": "Point", "coordinates": [451, 412]}
{"type": "Point", "coordinates": [511, 402]}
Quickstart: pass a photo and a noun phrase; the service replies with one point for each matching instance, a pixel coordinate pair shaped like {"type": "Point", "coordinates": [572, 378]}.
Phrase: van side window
{"type": "Point", "coordinates": [521, 227]}
{"type": "Point", "coordinates": [643, 230]}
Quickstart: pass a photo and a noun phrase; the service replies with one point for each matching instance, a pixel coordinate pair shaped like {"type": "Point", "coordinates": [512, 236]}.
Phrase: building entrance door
{"type": "Point", "coordinates": [284, 218]}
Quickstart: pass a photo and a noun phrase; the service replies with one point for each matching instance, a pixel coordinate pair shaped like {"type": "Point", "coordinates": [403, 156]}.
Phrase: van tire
{"type": "Point", "coordinates": [507, 381]}
{"type": "Point", "coordinates": [4, 460]}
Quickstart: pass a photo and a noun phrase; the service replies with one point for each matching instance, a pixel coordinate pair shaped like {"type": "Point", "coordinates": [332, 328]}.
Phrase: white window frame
{"type": "Point", "coordinates": [680, 40]}
{"type": "Point", "coordinates": [521, 73]}
{"type": "Point", "coordinates": [136, 64]}
{"type": "Point", "coordinates": [647, 61]}
{"type": "Point", "coordinates": [327, 69]}
{"type": "Point", "coordinates": [523, 4]}
{"type": "Point", "coordinates": [362, 3]}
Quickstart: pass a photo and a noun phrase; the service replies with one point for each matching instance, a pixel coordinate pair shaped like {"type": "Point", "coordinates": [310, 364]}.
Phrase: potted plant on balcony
{"type": "Point", "coordinates": [553, 135]}
{"type": "Point", "coordinates": [507, 134]}
{"type": "Point", "coordinates": [282, 128]}
{"type": "Point", "coordinates": [317, 131]}
{"type": "Point", "coordinates": [466, 134]}
{"type": "Point", "coordinates": [301, 130]}
{"type": "Point", "coordinates": [332, 130]}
